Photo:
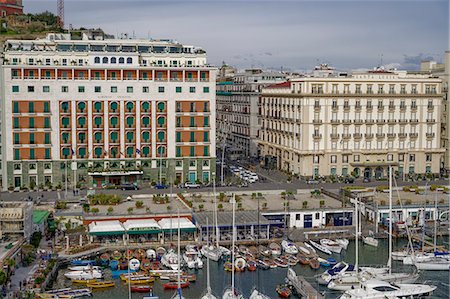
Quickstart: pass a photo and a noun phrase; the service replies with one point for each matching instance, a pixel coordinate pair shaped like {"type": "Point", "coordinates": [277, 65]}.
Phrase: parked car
{"type": "Point", "coordinates": [366, 180]}
{"type": "Point", "coordinates": [191, 185]}
{"type": "Point", "coordinates": [160, 186]}
{"type": "Point", "coordinates": [312, 182]}
{"type": "Point", "coordinates": [349, 180]}
{"type": "Point", "coordinates": [129, 186]}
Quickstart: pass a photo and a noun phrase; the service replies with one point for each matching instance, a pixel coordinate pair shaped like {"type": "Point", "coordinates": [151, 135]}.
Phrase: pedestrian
{"type": "Point", "coordinates": [20, 285]}
{"type": "Point", "coordinates": [73, 192]}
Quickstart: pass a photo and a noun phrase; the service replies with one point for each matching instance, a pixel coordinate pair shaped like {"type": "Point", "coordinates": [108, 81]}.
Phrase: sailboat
{"type": "Point", "coordinates": [210, 251]}
{"type": "Point", "coordinates": [232, 293]}
{"type": "Point", "coordinates": [178, 294]}
{"type": "Point", "coordinates": [209, 294]}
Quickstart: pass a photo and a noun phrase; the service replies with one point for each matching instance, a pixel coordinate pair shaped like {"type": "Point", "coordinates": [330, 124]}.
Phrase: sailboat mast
{"type": "Point", "coordinates": [356, 236]}
{"type": "Point", "coordinates": [208, 282]}
{"type": "Point", "coordinates": [178, 258]}
{"type": "Point", "coordinates": [233, 203]}
{"type": "Point", "coordinates": [435, 219]}
{"type": "Point", "coordinates": [129, 275]}
{"type": "Point", "coordinates": [390, 220]}
{"type": "Point", "coordinates": [215, 213]}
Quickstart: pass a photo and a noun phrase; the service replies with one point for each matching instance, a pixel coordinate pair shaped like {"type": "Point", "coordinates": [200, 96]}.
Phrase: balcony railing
{"type": "Point", "coordinates": [402, 135]}
{"type": "Point", "coordinates": [380, 135]}
{"type": "Point", "coordinates": [413, 135]}
{"type": "Point", "coordinates": [346, 136]}
{"type": "Point", "coordinates": [430, 135]}
{"type": "Point", "coordinates": [334, 136]}
{"type": "Point", "coordinates": [391, 135]}
{"type": "Point", "coordinates": [368, 135]}
{"type": "Point", "coordinates": [357, 135]}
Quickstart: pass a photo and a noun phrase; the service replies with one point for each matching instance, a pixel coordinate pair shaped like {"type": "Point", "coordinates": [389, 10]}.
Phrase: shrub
{"type": "Point", "coordinates": [2, 278]}
{"type": "Point", "coordinates": [95, 210]}
{"type": "Point", "coordinates": [305, 204]}
{"type": "Point", "coordinates": [130, 210]}
{"type": "Point", "coordinates": [36, 238]}
{"type": "Point", "coordinates": [238, 198]}
{"type": "Point", "coordinates": [201, 207]}
{"type": "Point", "coordinates": [61, 205]}
{"type": "Point", "coordinates": [259, 194]}
{"type": "Point", "coordinates": [239, 205]}
{"type": "Point", "coordinates": [264, 205]}
{"type": "Point", "coordinates": [220, 206]}
{"type": "Point", "coordinates": [110, 210]}
{"type": "Point", "coordinates": [322, 203]}
{"type": "Point", "coordinates": [86, 207]}
{"type": "Point", "coordinates": [382, 202]}
{"type": "Point", "coordinates": [139, 204]}
{"type": "Point", "coordinates": [408, 202]}
{"type": "Point", "coordinates": [221, 196]}
{"type": "Point", "coordinates": [382, 188]}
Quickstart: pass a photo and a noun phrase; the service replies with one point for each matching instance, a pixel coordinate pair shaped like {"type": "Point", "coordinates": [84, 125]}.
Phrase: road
{"type": "Point", "coordinates": [51, 196]}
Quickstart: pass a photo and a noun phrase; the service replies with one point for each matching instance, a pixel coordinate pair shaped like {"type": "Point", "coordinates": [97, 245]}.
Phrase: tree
{"type": "Point", "coordinates": [139, 204]}
{"type": "Point", "coordinates": [2, 278]}
{"type": "Point", "coordinates": [220, 206]}
{"type": "Point", "coordinates": [305, 204]}
{"type": "Point", "coordinates": [322, 203]}
{"type": "Point", "coordinates": [36, 239]}
{"type": "Point", "coordinates": [110, 210]}
{"type": "Point", "coordinates": [95, 210]}
{"type": "Point", "coordinates": [130, 210]}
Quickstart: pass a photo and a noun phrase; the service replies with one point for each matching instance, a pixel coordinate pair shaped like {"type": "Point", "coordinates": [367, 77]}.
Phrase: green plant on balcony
{"type": "Point", "coordinates": [130, 210]}
{"type": "Point", "coordinates": [305, 204]}
{"type": "Point", "coordinates": [220, 207]}
{"type": "Point", "coordinates": [95, 211]}
{"type": "Point", "coordinates": [110, 210]}
{"type": "Point", "coordinates": [322, 203]}
{"type": "Point", "coordinates": [139, 204]}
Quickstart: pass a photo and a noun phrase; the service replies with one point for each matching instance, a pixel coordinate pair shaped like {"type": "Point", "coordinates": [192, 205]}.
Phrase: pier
{"type": "Point", "coordinates": [303, 287]}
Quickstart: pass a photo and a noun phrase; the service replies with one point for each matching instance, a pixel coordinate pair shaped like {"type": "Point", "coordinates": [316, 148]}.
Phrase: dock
{"type": "Point", "coordinates": [303, 288]}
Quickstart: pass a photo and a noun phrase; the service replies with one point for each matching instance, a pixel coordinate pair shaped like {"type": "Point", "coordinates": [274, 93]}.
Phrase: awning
{"type": "Point", "coordinates": [171, 224]}
{"type": "Point", "coordinates": [141, 226]}
{"type": "Point", "coordinates": [105, 228]}
{"type": "Point", "coordinates": [373, 164]}
{"type": "Point", "coordinates": [116, 173]}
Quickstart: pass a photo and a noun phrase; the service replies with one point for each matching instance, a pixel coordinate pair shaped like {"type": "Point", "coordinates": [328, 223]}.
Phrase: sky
{"type": "Point", "coordinates": [289, 34]}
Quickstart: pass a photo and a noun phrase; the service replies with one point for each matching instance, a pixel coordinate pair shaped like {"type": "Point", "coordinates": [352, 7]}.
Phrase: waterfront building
{"type": "Point", "coordinates": [354, 124]}
{"type": "Point", "coordinates": [16, 220]}
{"type": "Point", "coordinates": [93, 110]}
{"type": "Point", "coordinates": [237, 109]}
{"type": "Point", "coordinates": [442, 70]}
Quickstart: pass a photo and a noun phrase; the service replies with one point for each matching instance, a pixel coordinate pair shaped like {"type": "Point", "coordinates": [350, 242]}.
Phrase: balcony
{"type": "Point", "coordinates": [402, 121]}
{"type": "Point", "coordinates": [392, 121]}
{"type": "Point", "coordinates": [317, 121]}
{"type": "Point", "coordinates": [316, 136]}
{"type": "Point", "coordinates": [432, 121]}
{"type": "Point", "coordinates": [334, 136]}
{"type": "Point", "coordinates": [358, 121]}
{"type": "Point", "coordinates": [430, 135]}
{"type": "Point", "coordinates": [358, 106]}
{"type": "Point", "coordinates": [346, 121]}
{"type": "Point", "coordinates": [346, 136]}
{"type": "Point", "coordinates": [335, 121]}
{"type": "Point", "coordinates": [334, 107]}
{"type": "Point", "coordinates": [370, 121]}
{"type": "Point", "coordinates": [368, 135]}
{"type": "Point", "coordinates": [391, 107]}
{"type": "Point", "coordinates": [346, 107]}
{"type": "Point", "coordinates": [414, 120]}
{"type": "Point", "coordinates": [403, 107]}
{"type": "Point", "coordinates": [357, 135]}
{"type": "Point", "coordinates": [430, 107]}
{"type": "Point", "coordinates": [413, 107]}
{"type": "Point", "coordinates": [380, 135]}
{"type": "Point", "coordinates": [413, 135]}
{"type": "Point", "coordinates": [380, 121]}
{"type": "Point", "coordinates": [402, 135]}
{"type": "Point", "coordinates": [316, 107]}
{"type": "Point", "coordinates": [391, 135]}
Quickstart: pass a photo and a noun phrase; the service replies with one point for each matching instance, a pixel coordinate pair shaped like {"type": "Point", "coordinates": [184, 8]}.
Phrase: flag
{"type": "Point", "coordinates": [73, 152]}
{"type": "Point", "coordinates": [138, 151]}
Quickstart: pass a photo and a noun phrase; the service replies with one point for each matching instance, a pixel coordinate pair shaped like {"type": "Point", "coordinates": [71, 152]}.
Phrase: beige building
{"type": "Point", "coordinates": [16, 220]}
{"type": "Point", "coordinates": [356, 124]}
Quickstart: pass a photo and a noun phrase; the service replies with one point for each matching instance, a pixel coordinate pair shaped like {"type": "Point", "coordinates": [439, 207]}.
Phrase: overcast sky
{"type": "Point", "coordinates": [293, 34]}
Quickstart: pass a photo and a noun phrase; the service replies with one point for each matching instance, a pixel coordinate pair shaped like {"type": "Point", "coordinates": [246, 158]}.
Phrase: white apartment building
{"type": "Point", "coordinates": [99, 110]}
{"type": "Point", "coordinates": [354, 125]}
{"type": "Point", "coordinates": [237, 109]}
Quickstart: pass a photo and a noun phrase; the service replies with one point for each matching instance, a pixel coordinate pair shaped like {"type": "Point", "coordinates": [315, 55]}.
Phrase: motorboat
{"type": "Point", "coordinates": [192, 259]}
{"type": "Point", "coordinates": [231, 293]}
{"type": "Point", "coordinates": [423, 257]}
{"type": "Point", "coordinates": [434, 264]}
{"type": "Point", "coordinates": [84, 268]}
{"type": "Point", "coordinates": [141, 289]}
{"type": "Point", "coordinates": [331, 245]}
{"type": "Point", "coordinates": [151, 254]}
{"type": "Point", "coordinates": [282, 263]}
{"type": "Point", "coordinates": [400, 255]}
{"type": "Point", "coordinates": [343, 242]}
{"type": "Point", "coordinates": [289, 247]}
{"type": "Point", "coordinates": [101, 284]}
{"type": "Point", "coordinates": [90, 274]}
{"type": "Point", "coordinates": [211, 252]}
{"type": "Point", "coordinates": [314, 264]}
{"type": "Point", "coordinates": [320, 247]}
{"type": "Point", "coordinates": [352, 281]}
{"type": "Point", "coordinates": [79, 262]}
{"type": "Point", "coordinates": [275, 248]}
{"type": "Point", "coordinates": [283, 291]}
{"type": "Point", "coordinates": [170, 260]}
{"type": "Point", "coordinates": [240, 264]}
{"type": "Point", "coordinates": [258, 295]}
{"type": "Point", "coordinates": [173, 285]}
{"type": "Point", "coordinates": [302, 248]}
{"type": "Point", "coordinates": [264, 251]}
{"type": "Point", "coordinates": [371, 241]}
{"type": "Point", "coordinates": [342, 268]}
{"type": "Point", "coordinates": [374, 289]}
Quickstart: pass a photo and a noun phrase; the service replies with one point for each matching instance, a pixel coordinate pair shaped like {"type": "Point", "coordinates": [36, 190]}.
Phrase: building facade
{"type": "Point", "coordinates": [237, 109]}
{"type": "Point", "coordinates": [356, 125]}
{"type": "Point", "coordinates": [10, 7]}
{"type": "Point", "coordinates": [16, 220]}
{"type": "Point", "coordinates": [101, 111]}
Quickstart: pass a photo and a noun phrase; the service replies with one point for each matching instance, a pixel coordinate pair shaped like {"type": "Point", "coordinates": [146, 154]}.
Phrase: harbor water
{"type": "Point", "coordinates": [267, 280]}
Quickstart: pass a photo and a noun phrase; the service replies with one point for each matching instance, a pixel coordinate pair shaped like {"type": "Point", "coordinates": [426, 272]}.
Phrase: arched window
{"type": "Point", "coordinates": [97, 106]}
{"type": "Point", "coordinates": [66, 152]}
{"type": "Point", "coordinates": [65, 122]}
{"type": "Point", "coordinates": [145, 151]}
{"type": "Point", "coordinates": [146, 121]}
{"type": "Point", "coordinates": [98, 120]}
{"type": "Point", "coordinates": [98, 137]}
{"type": "Point", "coordinates": [82, 137]}
{"type": "Point", "coordinates": [145, 106]}
{"type": "Point", "coordinates": [113, 60]}
{"type": "Point", "coordinates": [161, 136]}
{"type": "Point", "coordinates": [105, 60]}
{"type": "Point", "coordinates": [146, 136]}
{"type": "Point", "coordinates": [161, 121]}
{"type": "Point", "coordinates": [114, 136]}
{"type": "Point", "coordinates": [114, 121]}
{"type": "Point", "coordinates": [129, 60]}
{"type": "Point", "coordinates": [114, 152]}
{"type": "Point", "coordinates": [161, 106]}
{"type": "Point", "coordinates": [65, 106]}
{"type": "Point", "coordinates": [113, 106]}
{"type": "Point", "coordinates": [161, 150]}
{"type": "Point", "coordinates": [130, 106]}
{"type": "Point", "coordinates": [81, 106]}
{"type": "Point", "coordinates": [121, 60]}
{"type": "Point", "coordinates": [98, 151]}
{"type": "Point", "coordinates": [97, 60]}
{"type": "Point", "coordinates": [130, 136]}
{"type": "Point", "coordinates": [81, 121]}
{"type": "Point", "coordinates": [130, 151]}
{"type": "Point", "coordinates": [130, 121]}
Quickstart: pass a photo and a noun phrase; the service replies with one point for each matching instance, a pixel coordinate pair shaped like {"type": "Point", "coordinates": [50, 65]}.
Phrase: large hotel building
{"type": "Point", "coordinates": [101, 111]}
{"type": "Point", "coordinates": [357, 124]}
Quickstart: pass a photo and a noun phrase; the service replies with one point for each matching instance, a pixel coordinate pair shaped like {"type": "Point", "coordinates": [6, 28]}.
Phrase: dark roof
{"type": "Point", "coordinates": [280, 85]}
{"type": "Point", "coordinates": [226, 218]}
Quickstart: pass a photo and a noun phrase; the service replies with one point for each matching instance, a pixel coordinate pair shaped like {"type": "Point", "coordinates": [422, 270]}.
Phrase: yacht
{"type": "Point", "coordinates": [211, 252]}
{"type": "Point", "coordinates": [343, 269]}
{"type": "Point", "coordinates": [434, 264]}
{"type": "Point", "coordinates": [230, 294]}
{"type": "Point", "coordinates": [376, 289]}
{"type": "Point", "coordinates": [352, 281]}
{"type": "Point", "coordinates": [258, 295]}
{"type": "Point", "coordinates": [84, 274]}
{"type": "Point", "coordinates": [320, 247]}
{"type": "Point", "coordinates": [170, 260]}
{"type": "Point", "coordinates": [371, 241]}
{"type": "Point", "coordinates": [192, 258]}
{"type": "Point", "coordinates": [343, 242]}
{"type": "Point", "coordinates": [331, 245]}
{"type": "Point", "coordinates": [289, 247]}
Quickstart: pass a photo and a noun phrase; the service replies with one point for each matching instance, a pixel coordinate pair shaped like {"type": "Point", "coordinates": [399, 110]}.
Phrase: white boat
{"type": "Point", "coordinates": [371, 241]}
{"type": "Point", "coordinates": [376, 289]}
{"type": "Point", "coordinates": [289, 247]}
{"type": "Point", "coordinates": [230, 294]}
{"type": "Point", "coordinates": [275, 248]}
{"type": "Point", "coordinates": [224, 251]}
{"type": "Point", "coordinates": [343, 242]}
{"type": "Point", "coordinates": [258, 295]}
{"type": "Point", "coordinates": [151, 254]}
{"type": "Point", "coordinates": [85, 268]}
{"type": "Point", "coordinates": [434, 264]}
{"type": "Point", "coordinates": [170, 260]}
{"type": "Point", "coordinates": [211, 252]}
{"type": "Point", "coordinates": [353, 280]}
{"type": "Point", "coordinates": [311, 248]}
{"type": "Point", "coordinates": [344, 269]}
{"type": "Point", "coordinates": [89, 274]}
{"type": "Point", "coordinates": [303, 248]}
{"type": "Point", "coordinates": [400, 255]}
{"type": "Point", "coordinates": [320, 247]}
{"type": "Point", "coordinates": [192, 259]}
{"type": "Point", "coordinates": [331, 245]}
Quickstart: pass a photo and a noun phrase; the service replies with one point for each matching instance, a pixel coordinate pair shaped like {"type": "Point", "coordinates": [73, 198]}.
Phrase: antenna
{"type": "Point", "coordinates": [381, 60]}
{"type": "Point", "coordinates": [61, 13]}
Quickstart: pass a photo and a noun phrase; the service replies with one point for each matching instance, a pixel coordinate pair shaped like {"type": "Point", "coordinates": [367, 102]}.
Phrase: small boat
{"type": "Point", "coordinates": [343, 242]}
{"type": "Point", "coordinates": [302, 248]}
{"type": "Point", "coordinates": [262, 264]}
{"type": "Point", "coordinates": [323, 262]}
{"type": "Point", "coordinates": [83, 281]}
{"type": "Point", "coordinates": [258, 295]}
{"type": "Point", "coordinates": [320, 247]}
{"type": "Point", "coordinates": [129, 254]}
{"type": "Point", "coordinates": [114, 264]}
{"type": "Point", "coordinates": [212, 252]}
{"type": "Point", "coordinates": [101, 284]}
{"type": "Point", "coordinates": [170, 260]}
{"type": "Point", "coordinates": [123, 264]}
{"type": "Point", "coordinates": [83, 275]}
{"type": "Point", "coordinates": [284, 291]}
{"type": "Point", "coordinates": [289, 247]}
{"type": "Point", "coordinates": [314, 264]}
{"type": "Point", "coordinates": [229, 293]}
{"type": "Point", "coordinates": [151, 296]}
{"type": "Point", "coordinates": [84, 268]}
{"type": "Point", "coordinates": [173, 285]}
{"type": "Point", "coordinates": [303, 259]}
{"type": "Point", "coordinates": [141, 289]}
{"type": "Point", "coordinates": [253, 250]}
{"type": "Point", "coordinates": [271, 263]}
{"type": "Point", "coordinates": [134, 264]}
{"type": "Point", "coordinates": [68, 293]}
{"type": "Point", "coordinates": [117, 255]}
{"type": "Point", "coordinates": [146, 264]}
{"type": "Point", "coordinates": [151, 254]}
{"type": "Point", "coordinates": [264, 251]}
{"type": "Point", "coordinates": [183, 277]}
{"type": "Point", "coordinates": [281, 262]}
{"type": "Point", "coordinates": [292, 260]}
{"type": "Point", "coordinates": [140, 280]}
{"type": "Point", "coordinates": [243, 249]}
{"type": "Point", "coordinates": [160, 251]}
{"type": "Point", "coordinates": [331, 261]}
{"type": "Point", "coordinates": [240, 264]}
{"type": "Point", "coordinates": [251, 266]}
{"type": "Point", "coordinates": [140, 254]}
{"type": "Point", "coordinates": [371, 241]}
{"type": "Point", "coordinates": [53, 296]}
{"type": "Point", "coordinates": [331, 245]}
{"type": "Point", "coordinates": [82, 262]}
{"type": "Point", "coordinates": [104, 259]}
{"type": "Point", "coordinates": [275, 249]}
{"type": "Point", "coordinates": [125, 276]}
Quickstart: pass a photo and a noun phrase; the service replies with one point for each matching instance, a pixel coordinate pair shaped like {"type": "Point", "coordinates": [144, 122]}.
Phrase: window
{"type": "Point", "coordinates": [97, 106]}
{"type": "Point", "coordinates": [206, 151]}
{"type": "Point", "coordinates": [130, 89]}
{"type": "Point", "coordinates": [161, 106]}
{"type": "Point", "coordinates": [31, 138]}
{"type": "Point", "coordinates": [129, 106]}
{"type": "Point", "coordinates": [130, 121]}
{"type": "Point", "coordinates": [206, 136]}
{"type": "Point", "coordinates": [344, 158]}
{"type": "Point", "coordinates": [428, 157]}
{"type": "Point", "coordinates": [47, 153]}
{"type": "Point", "coordinates": [113, 89]}
{"type": "Point", "coordinates": [30, 107]}
{"type": "Point", "coordinates": [45, 88]}
{"type": "Point", "coordinates": [16, 122]}
{"type": "Point", "coordinates": [81, 89]}
{"type": "Point", "coordinates": [16, 154]}
{"type": "Point", "coordinates": [129, 60]}
{"type": "Point", "coordinates": [146, 121]}
{"type": "Point", "coordinates": [178, 89]}
{"type": "Point", "coordinates": [16, 138]}
{"type": "Point", "coordinates": [145, 106]}
{"type": "Point", "coordinates": [206, 89]}
{"type": "Point", "coordinates": [333, 158]}
{"type": "Point", "coordinates": [31, 122]}
{"type": "Point", "coordinates": [192, 89]}
{"type": "Point", "coordinates": [64, 88]}
{"type": "Point", "coordinates": [113, 60]}
{"type": "Point", "coordinates": [192, 151]}
{"type": "Point", "coordinates": [145, 89]}
{"type": "Point", "coordinates": [32, 154]}
{"type": "Point", "coordinates": [206, 121]}
{"type": "Point", "coordinates": [192, 137]}
{"type": "Point", "coordinates": [97, 89]}
{"type": "Point", "coordinates": [178, 150]}
{"type": "Point", "coordinates": [15, 88]}
{"type": "Point", "coordinates": [97, 60]}
{"type": "Point", "coordinates": [412, 157]}
{"type": "Point", "coordinates": [178, 134]}
{"type": "Point", "coordinates": [390, 157]}
{"type": "Point", "coordinates": [161, 89]}
{"type": "Point", "coordinates": [105, 60]}
{"type": "Point", "coordinates": [30, 88]}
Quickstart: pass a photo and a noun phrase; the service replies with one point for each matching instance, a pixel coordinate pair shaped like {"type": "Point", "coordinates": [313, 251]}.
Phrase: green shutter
{"type": "Point", "coordinates": [114, 106]}
{"type": "Point", "coordinates": [16, 107]}
{"type": "Point", "coordinates": [32, 154]}
{"type": "Point", "coordinates": [161, 151]}
{"type": "Point", "coordinates": [98, 121]}
{"type": "Point", "coordinates": [206, 136]}
{"type": "Point", "coordinates": [16, 154]}
{"type": "Point", "coordinates": [31, 122]}
{"type": "Point", "coordinates": [47, 138]}
{"type": "Point", "coordinates": [16, 138]}
{"type": "Point", "coordinates": [130, 151]}
{"type": "Point", "coordinates": [98, 152]}
{"type": "Point", "coordinates": [130, 136]}
{"type": "Point", "coordinates": [82, 137]}
{"type": "Point", "coordinates": [98, 136]}
{"type": "Point", "coordinates": [130, 121]}
{"type": "Point", "coordinates": [114, 121]}
{"type": "Point", "coordinates": [31, 138]}
{"type": "Point", "coordinates": [65, 121]}
{"type": "Point", "coordinates": [15, 88]}
{"type": "Point", "coordinates": [82, 121]}
{"type": "Point", "coordinates": [161, 121]}
{"type": "Point", "coordinates": [146, 121]}
{"type": "Point", "coordinates": [192, 137]}
{"type": "Point", "coordinates": [46, 107]}
{"type": "Point", "coordinates": [178, 151]}
{"type": "Point", "coordinates": [66, 152]}
{"type": "Point", "coordinates": [206, 121]}
{"type": "Point", "coordinates": [65, 106]}
{"type": "Point", "coordinates": [97, 106]}
{"type": "Point", "coordinates": [178, 136]}
{"type": "Point", "coordinates": [81, 106]}
{"type": "Point", "coordinates": [30, 107]}
{"type": "Point", "coordinates": [161, 136]}
{"type": "Point", "coordinates": [130, 106]}
{"type": "Point", "coordinates": [206, 151]}
{"type": "Point", "coordinates": [47, 122]}
{"type": "Point", "coordinates": [161, 106]}
{"type": "Point", "coordinates": [82, 152]}
{"type": "Point", "coordinates": [16, 122]}
{"type": "Point", "coordinates": [47, 153]}
{"type": "Point", "coordinates": [146, 136]}
{"type": "Point", "coordinates": [192, 151]}
{"type": "Point", "coordinates": [192, 122]}
{"type": "Point", "coordinates": [145, 106]}
{"type": "Point", "coordinates": [114, 136]}
{"type": "Point", "coordinates": [146, 151]}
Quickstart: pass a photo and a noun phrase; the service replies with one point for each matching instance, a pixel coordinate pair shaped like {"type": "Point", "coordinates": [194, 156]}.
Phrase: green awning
{"type": "Point", "coordinates": [144, 231]}
{"type": "Point", "coordinates": [112, 233]}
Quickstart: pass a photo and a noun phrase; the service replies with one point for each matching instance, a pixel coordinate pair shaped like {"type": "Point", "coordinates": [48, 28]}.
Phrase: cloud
{"type": "Point", "coordinates": [413, 62]}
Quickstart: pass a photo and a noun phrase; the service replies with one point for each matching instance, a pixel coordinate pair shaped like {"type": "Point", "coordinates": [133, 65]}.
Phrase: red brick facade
{"type": "Point", "coordinates": [10, 7]}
